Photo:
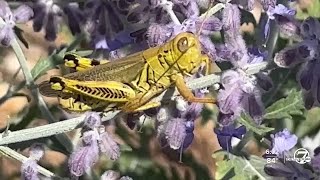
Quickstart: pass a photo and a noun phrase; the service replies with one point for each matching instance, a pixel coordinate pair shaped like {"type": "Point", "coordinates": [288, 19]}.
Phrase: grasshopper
{"type": "Point", "coordinates": [129, 83]}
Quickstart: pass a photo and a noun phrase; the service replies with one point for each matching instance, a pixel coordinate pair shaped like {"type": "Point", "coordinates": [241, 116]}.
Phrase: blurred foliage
{"type": "Point", "coordinates": [238, 168]}
{"type": "Point", "coordinates": [312, 10]}
{"type": "Point", "coordinates": [285, 107]}
{"type": "Point", "coordinates": [247, 121]}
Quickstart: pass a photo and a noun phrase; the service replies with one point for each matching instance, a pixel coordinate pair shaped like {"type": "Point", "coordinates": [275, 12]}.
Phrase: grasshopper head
{"type": "Point", "coordinates": [187, 52]}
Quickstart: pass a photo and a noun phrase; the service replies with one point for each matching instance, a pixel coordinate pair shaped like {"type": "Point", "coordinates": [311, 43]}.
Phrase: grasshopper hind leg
{"type": "Point", "coordinates": [79, 103]}
{"type": "Point", "coordinates": [79, 63]}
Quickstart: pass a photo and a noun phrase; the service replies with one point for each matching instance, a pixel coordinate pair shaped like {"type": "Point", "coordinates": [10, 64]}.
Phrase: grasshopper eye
{"type": "Point", "coordinates": [183, 44]}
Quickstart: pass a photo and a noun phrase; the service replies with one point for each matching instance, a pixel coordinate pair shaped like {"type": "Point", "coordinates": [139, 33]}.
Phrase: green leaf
{"type": "Point", "coordinates": [312, 10]}
{"type": "Point", "coordinates": [247, 121]}
{"type": "Point", "coordinates": [234, 167]}
{"type": "Point", "coordinates": [43, 65]}
{"type": "Point", "coordinates": [285, 107]}
{"type": "Point", "coordinates": [310, 123]}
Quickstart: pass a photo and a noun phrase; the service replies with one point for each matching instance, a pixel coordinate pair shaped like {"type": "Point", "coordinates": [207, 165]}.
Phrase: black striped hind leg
{"type": "Point", "coordinates": [79, 63]}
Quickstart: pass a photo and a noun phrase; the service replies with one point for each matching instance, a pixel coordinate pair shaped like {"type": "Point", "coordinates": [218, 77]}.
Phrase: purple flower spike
{"type": "Point", "coordinates": [158, 34]}
{"type": "Point", "coordinates": [227, 119]}
{"type": "Point", "coordinates": [266, 4]}
{"type": "Point", "coordinates": [315, 163]}
{"type": "Point", "coordinates": [37, 151]}
{"type": "Point", "coordinates": [110, 175]}
{"type": "Point", "coordinates": [226, 133]}
{"type": "Point", "coordinates": [6, 35]}
{"type": "Point", "coordinates": [23, 14]}
{"type": "Point", "coordinates": [189, 134]}
{"type": "Point", "coordinates": [231, 21]}
{"type": "Point", "coordinates": [288, 170]}
{"type": "Point", "coordinates": [4, 9]}
{"type": "Point", "coordinates": [305, 76]}
{"type": "Point", "coordinates": [85, 156]}
{"type": "Point", "coordinates": [283, 141]}
{"type": "Point", "coordinates": [29, 170]}
{"type": "Point", "coordinates": [175, 132]}
{"type": "Point", "coordinates": [20, 15]}
{"type": "Point", "coordinates": [247, 4]}
{"type": "Point", "coordinates": [278, 170]}
{"type": "Point", "coordinates": [264, 82]}
{"type": "Point", "coordinates": [190, 9]}
{"type": "Point", "coordinates": [309, 101]}
{"type": "Point", "coordinates": [300, 53]}
{"type": "Point", "coordinates": [252, 104]}
{"type": "Point", "coordinates": [182, 2]}
{"type": "Point", "coordinates": [75, 17]}
{"type": "Point", "coordinates": [208, 47]}
{"type": "Point", "coordinates": [46, 15]}
{"type": "Point", "coordinates": [310, 28]}
{"type": "Point", "coordinates": [280, 10]}
{"type": "Point", "coordinates": [229, 98]}
{"type": "Point", "coordinates": [284, 16]}
{"type": "Point", "coordinates": [92, 120]}
{"type": "Point", "coordinates": [108, 145]}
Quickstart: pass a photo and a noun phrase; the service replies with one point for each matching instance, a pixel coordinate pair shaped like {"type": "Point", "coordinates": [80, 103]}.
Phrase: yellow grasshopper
{"type": "Point", "coordinates": [131, 82]}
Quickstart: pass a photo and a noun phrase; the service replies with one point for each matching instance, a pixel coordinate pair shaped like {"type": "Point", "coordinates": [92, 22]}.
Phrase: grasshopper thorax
{"type": "Point", "coordinates": [186, 52]}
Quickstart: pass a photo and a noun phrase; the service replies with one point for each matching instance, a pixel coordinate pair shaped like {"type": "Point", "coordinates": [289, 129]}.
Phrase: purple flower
{"type": "Point", "coordinates": [85, 155]}
{"type": "Point", "coordinates": [110, 175]}
{"type": "Point", "coordinates": [20, 15]}
{"type": "Point", "coordinates": [175, 132]}
{"type": "Point", "coordinates": [47, 15]}
{"type": "Point", "coordinates": [29, 170]}
{"type": "Point", "coordinates": [231, 21]}
{"type": "Point", "coordinates": [288, 170]}
{"type": "Point", "coordinates": [108, 145]}
{"type": "Point", "coordinates": [239, 94]}
{"type": "Point", "coordinates": [75, 17]}
{"type": "Point", "coordinates": [284, 16]}
{"type": "Point", "coordinates": [187, 7]}
{"type": "Point", "coordinates": [158, 34]}
{"type": "Point", "coordinates": [92, 120]}
{"type": "Point", "coordinates": [281, 10]}
{"type": "Point", "coordinates": [226, 133]}
{"type": "Point", "coordinates": [112, 25]}
{"type": "Point", "coordinates": [189, 134]}
{"type": "Point", "coordinates": [306, 54]}
{"type": "Point", "coordinates": [93, 142]}
{"type": "Point", "coordinates": [245, 4]}
{"type": "Point", "coordinates": [283, 141]}
{"type": "Point", "coordinates": [266, 4]}
{"type": "Point", "coordinates": [315, 163]}
{"type": "Point", "coordinates": [29, 167]}
{"type": "Point", "coordinates": [235, 49]}
{"type": "Point", "coordinates": [37, 151]}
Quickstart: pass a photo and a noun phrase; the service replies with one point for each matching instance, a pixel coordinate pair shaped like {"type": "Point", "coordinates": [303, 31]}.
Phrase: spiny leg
{"type": "Point", "coordinates": [187, 93]}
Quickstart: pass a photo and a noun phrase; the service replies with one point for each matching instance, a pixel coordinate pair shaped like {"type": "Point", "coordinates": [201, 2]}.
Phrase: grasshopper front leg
{"type": "Point", "coordinates": [187, 93]}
